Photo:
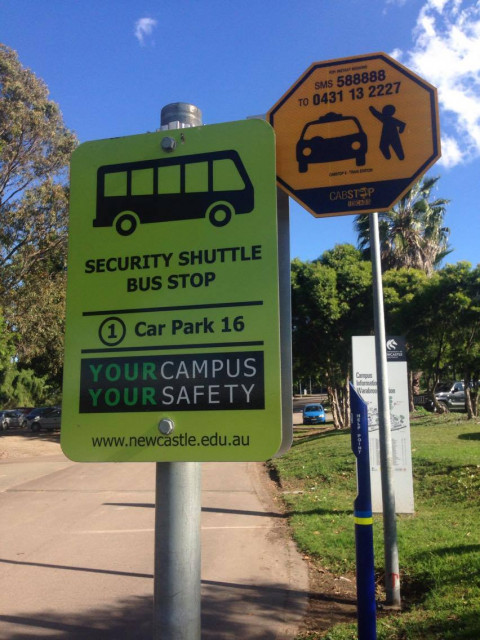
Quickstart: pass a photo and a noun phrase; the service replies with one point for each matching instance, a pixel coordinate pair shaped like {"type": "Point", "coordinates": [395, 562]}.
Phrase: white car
{"type": "Point", "coordinates": [12, 419]}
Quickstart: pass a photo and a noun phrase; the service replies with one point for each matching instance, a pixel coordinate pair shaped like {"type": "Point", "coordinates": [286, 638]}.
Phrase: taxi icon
{"type": "Point", "coordinates": [331, 138]}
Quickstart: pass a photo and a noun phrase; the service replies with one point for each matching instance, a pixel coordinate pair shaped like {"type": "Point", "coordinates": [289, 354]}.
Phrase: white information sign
{"type": "Point", "coordinates": [365, 382]}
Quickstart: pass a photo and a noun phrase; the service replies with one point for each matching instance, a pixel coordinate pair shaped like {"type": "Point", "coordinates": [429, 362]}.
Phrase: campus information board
{"type": "Point", "coordinates": [172, 300]}
{"type": "Point", "coordinates": [365, 380]}
{"type": "Point", "coordinates": [354, 134]}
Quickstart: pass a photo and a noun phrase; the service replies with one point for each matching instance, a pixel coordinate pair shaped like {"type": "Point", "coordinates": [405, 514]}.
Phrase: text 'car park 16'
{"type": "Point", "coordinates": [313, 414]}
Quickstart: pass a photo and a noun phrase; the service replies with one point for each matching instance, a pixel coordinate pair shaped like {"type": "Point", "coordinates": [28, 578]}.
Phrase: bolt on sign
{"type": "Point", "coordinates": [354, 134]}
{"type": "Point", "coordinates": [172, 300]}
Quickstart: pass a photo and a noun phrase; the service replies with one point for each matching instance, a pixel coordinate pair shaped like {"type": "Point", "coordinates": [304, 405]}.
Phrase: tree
{"type": "Point", "coordinates": [331, 302]}
{"type": "Point", "coordinates": [38, 323]}
{"type": "Point", "coordinates": [412, 233]}
{"type": "Point", "coordinates": [460, 285]}
{"type": "Point", "coordinates": [18, 387]}
{"type": "Point", "coordinates": [6, 350]}
{"type": "Point", "coordinates": [440, 316]}
{"type": "Point", "coordinates": [35, 148]}
{"type": "Point", "coordinates": [400, 290]}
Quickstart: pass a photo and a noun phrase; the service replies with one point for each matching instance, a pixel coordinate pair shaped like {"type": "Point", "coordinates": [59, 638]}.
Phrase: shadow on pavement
{"type": "Point", "coordinates": [129, 618]}
{"type": "Point", "coordinates": [229, 612]}
{"type": "Point", "coordinates": [240, 512]}
{"type": "Point", "coordinates": [70, 568]}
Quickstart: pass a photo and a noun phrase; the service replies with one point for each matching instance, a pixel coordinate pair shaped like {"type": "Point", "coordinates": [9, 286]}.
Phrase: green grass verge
{"type": "Point", "coordinates": [439, 547]}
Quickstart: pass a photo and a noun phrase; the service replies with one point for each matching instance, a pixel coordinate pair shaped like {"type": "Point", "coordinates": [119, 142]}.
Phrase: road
{"type": "Point", "coordinates": [76, 551]}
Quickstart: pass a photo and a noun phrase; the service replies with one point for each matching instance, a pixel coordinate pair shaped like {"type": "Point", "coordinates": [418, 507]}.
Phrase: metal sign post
{"type": "Point", "coordinates": [284, 279]}
{"type": "Point", "coordinates": [353, 135]}
{"type": "Point", "coordinates": [177, 570]}
{"type": "Point", "coordinates": [392, 571]}
{"type": "Point", "coordinates": [173, 321]}
{"type": "Point", "coordinates": [178, 506]}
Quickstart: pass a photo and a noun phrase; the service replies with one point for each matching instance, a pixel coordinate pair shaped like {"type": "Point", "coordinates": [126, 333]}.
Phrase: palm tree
{"type": "Point", "coordinates": [411, 232]}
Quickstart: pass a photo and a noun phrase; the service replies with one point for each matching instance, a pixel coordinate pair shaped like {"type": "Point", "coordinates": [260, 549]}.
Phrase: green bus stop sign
{"type": "Point", "coordinates": [172, 348]}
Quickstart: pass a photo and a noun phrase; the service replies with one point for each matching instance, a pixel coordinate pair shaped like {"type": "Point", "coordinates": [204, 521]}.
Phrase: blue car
{"type": "Point", "coordinates": [313, 414]}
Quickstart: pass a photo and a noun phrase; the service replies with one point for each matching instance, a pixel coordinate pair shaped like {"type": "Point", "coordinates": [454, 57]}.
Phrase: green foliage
{"type": "Point", "coordinates": [461, 288]}
{"type": "Point", "coordinates": [22, 388]}
{"type": "Point", "coordinates": [331, 301]}
{"type": "Point", "coordinates": [18, 387]}
{"type": "Point", "coordinates": [318, 477]}
{"type": "Point", "coordinates": [40, 313]}
{"type": "Point", "coordinates": [35, 148]}
{"type": "Point", "coordinates": [6, 348]}
{"type": "Point", "coordinates": [440, 316]}
{"type": "Point", "coordinates": [412, 232]}
{"type": "Point", "coordinates": [438, 547]}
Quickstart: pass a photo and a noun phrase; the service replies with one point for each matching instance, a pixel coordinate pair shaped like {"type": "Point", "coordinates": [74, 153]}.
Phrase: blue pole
{"type": "Point", "coordinates": [366, 607]}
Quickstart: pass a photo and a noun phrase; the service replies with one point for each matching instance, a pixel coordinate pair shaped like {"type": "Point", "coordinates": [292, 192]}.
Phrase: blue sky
{"type": "Point", "coordinates": [112, 64]}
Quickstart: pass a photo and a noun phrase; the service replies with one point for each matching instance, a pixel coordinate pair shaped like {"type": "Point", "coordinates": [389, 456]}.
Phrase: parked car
{"type": "Point", "coordinates": [3, 421]}
{"type": "Point", "coordinates": [48, 418]}
{"type": "Point", "coordinates": [313, 414]}
{"type": "Point", "coordinates": [37, 411]}
{"type": "Point", "coordinates": [25, 410]}
{"type": "Point", "coordinates": [449, 394]}
{"type": "Point", "coordinates": [12, 419]}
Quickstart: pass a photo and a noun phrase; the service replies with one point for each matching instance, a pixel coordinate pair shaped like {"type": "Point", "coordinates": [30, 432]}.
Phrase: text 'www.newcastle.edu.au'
{"type": "Point", "coordinates": [181, 440]}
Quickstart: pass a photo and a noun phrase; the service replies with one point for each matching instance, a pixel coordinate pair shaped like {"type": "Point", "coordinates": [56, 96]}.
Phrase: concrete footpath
{"type": "Point", "coordinates": [251, 570]}
{"type": "Point", "coordinates": [76, 553]}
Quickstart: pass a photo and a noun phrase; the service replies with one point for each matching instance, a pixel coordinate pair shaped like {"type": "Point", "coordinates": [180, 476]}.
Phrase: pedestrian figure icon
{"type": "Point", "coordinates": [392, 128]}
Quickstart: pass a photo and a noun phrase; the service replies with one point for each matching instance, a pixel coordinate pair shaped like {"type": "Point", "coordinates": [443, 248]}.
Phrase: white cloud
{"type": "Point", "coordinates": [451, 153]}
{"type": "Point", "coordinates": [144, 28]}
{"type": "Point", "coordinates": [447, 54]}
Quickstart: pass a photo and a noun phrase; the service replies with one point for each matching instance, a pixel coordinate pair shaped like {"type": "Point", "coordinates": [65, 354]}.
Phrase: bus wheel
{"type": "Point", "coordinates": [220, 214]}
{"type": "Point", "coordinates": [126, 223]}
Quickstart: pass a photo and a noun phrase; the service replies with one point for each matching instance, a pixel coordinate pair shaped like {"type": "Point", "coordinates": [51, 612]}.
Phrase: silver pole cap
{"type": "Point", "coordinates": [179, 115]}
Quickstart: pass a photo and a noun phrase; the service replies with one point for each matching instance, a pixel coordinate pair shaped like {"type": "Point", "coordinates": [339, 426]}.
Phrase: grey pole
{"type": "Point", "coordinates": [177, 572]}
{"type": "Point", "coordinates": [283, 217]}
{"type": "Point", "coordinates": [392, 571]}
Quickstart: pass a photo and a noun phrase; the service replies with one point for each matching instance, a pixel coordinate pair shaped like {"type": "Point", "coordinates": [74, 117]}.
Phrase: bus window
{"type": "Point", "coordinates": [169, 179]}
{"type": "Point", "coordinates": [226, 176]}
{"type": "Point", "coordinates": [196, 177]}
{"type": "Point", "coordinates": [142, 182]}
{"type": "Point", "coordinates": [116, 184]}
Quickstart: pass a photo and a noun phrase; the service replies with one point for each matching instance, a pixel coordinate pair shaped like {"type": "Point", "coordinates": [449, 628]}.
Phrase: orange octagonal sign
{"type": "Point", "coordinates": [354, 134]}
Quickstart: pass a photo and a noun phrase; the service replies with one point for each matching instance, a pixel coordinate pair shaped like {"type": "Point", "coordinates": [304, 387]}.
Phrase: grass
{"type": "Point", "coordinates": [439, 547]}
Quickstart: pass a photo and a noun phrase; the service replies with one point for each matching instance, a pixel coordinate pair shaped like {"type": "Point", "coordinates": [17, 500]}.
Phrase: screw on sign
{"type": "Point", "coordinates": [354, 134]}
